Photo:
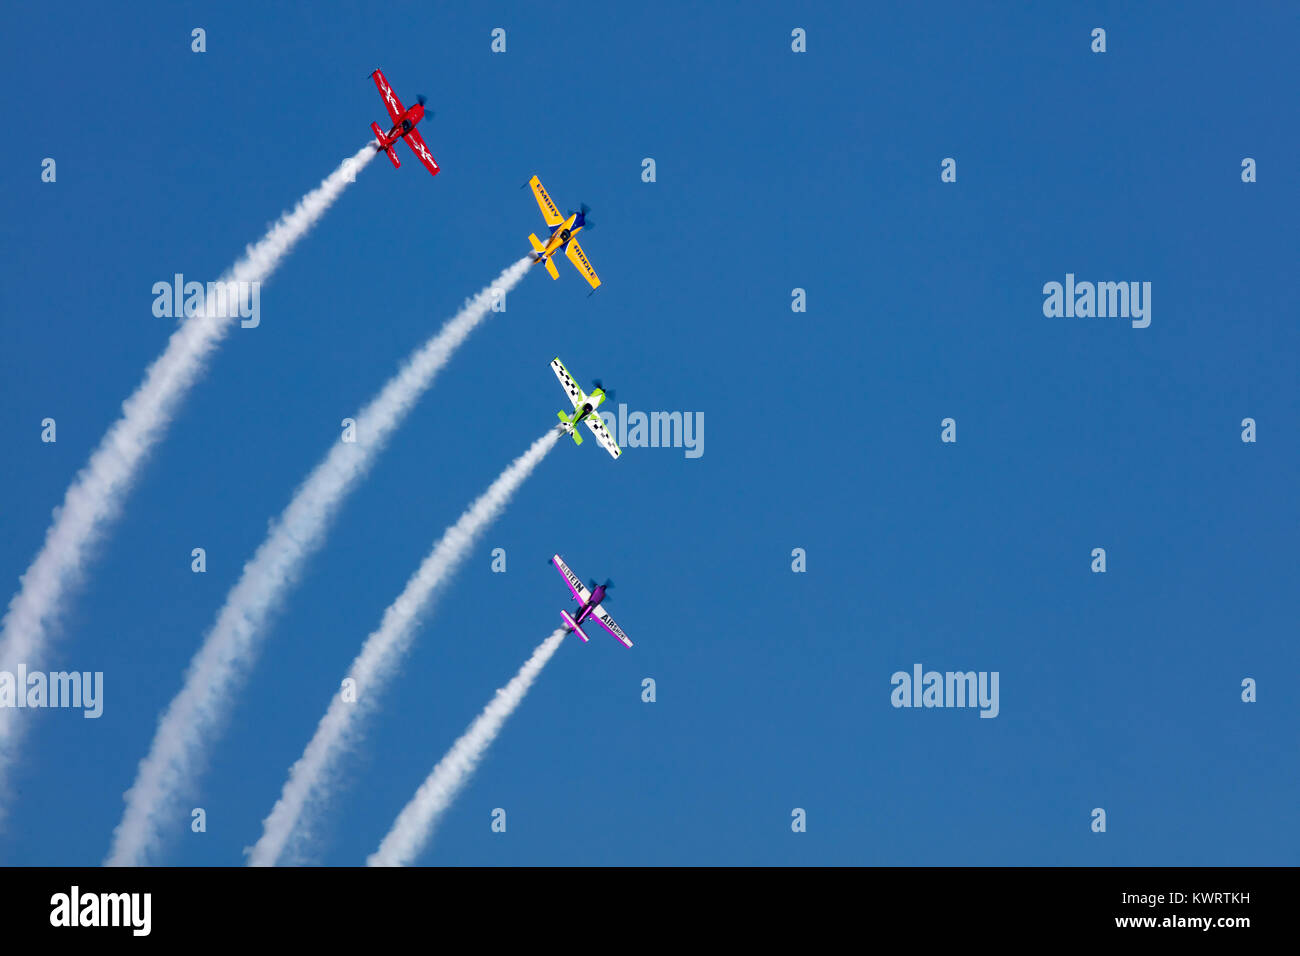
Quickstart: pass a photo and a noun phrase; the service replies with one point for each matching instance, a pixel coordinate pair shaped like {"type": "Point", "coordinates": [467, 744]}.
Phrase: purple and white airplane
{"type": "Point", "coordinates": [590, 601]}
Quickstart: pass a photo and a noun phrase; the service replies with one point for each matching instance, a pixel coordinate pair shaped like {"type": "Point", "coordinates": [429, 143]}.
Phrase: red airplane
{"type": "Point", "coordinates": [404, 121]}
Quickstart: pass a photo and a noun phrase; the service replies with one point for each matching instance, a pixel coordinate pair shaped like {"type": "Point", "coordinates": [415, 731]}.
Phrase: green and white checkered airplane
{"type": "Point", "coordinates": [584, 410]}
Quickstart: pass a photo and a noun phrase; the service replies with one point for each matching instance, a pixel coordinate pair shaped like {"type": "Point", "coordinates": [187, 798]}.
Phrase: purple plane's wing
{"type": "Point", "coordinates": [608, 623]}
{"type": "Point", "coordinates": [580, 593]}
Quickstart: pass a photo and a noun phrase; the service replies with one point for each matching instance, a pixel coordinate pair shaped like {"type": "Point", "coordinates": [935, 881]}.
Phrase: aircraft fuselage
{"type": "Point", "coordinates": [597, 596]}
{"type": "Point", "coordinates": [585, 409]}
{"type": "Point", "coordinates": [561, 234]}
{"type": "Point", "coordinates": [407, 123]}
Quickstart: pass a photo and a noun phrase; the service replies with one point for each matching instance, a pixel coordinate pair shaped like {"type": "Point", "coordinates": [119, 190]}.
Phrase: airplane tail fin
{"type": "Point", "coordinates": [537, 243]}
{"type": "Point", "coordinates": [573, 429]}
{"type": "Point", "coordinates": [550, 267]}
{"type": "Point", "coordinates": [386, 147]}
{"type": "Point", "coordinates": [573, 625]}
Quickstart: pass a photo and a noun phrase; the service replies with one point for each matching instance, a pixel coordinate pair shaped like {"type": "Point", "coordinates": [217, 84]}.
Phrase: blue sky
{"type": "Point", "coordinates": [775, 170]}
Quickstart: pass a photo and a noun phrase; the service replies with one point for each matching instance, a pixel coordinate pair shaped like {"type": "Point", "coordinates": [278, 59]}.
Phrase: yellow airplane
{"type": "Point", "coordinates": [563, 230]}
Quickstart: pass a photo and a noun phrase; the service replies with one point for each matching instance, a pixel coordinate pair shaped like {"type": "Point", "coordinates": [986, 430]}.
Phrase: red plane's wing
{"type": "Point", "coordinates": [416, 142]}
{"type": "Point", "coordinates": [391, 101]}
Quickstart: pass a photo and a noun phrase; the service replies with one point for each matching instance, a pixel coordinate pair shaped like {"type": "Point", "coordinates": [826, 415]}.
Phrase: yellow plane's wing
{"type": "Point", "coordinates": [579, 259]}
{"type": "Point", "coordinates": [549, 211]}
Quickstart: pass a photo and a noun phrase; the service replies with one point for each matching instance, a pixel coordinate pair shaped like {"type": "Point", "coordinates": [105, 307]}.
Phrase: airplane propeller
{"type": "Point", "coordinates": [584, 209]}
{"type": "Point", "coordinates": [607, 585]}
{"type": "Point", "coordinates": [609, 392]}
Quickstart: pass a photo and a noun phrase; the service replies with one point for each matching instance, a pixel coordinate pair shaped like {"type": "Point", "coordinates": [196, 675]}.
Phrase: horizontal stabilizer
{"type": "Point", "coordinates": [573, 625]}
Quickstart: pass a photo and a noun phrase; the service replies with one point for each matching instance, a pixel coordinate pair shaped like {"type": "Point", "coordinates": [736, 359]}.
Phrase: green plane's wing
{"type": "Point", "coordinates": [566, 380]}
{"type": "Point", "coordinates": [597, 426]}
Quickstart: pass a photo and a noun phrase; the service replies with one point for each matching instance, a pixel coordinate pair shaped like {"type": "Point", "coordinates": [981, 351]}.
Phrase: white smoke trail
{"type": "Point", "coordinates": [311, 780]}
{"type": "Point", "coordinates": [95, 496]}
{"type": "Point", "coordinates": [414, 825]}
{"type": "Point", "coordinates": [196, 713]}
